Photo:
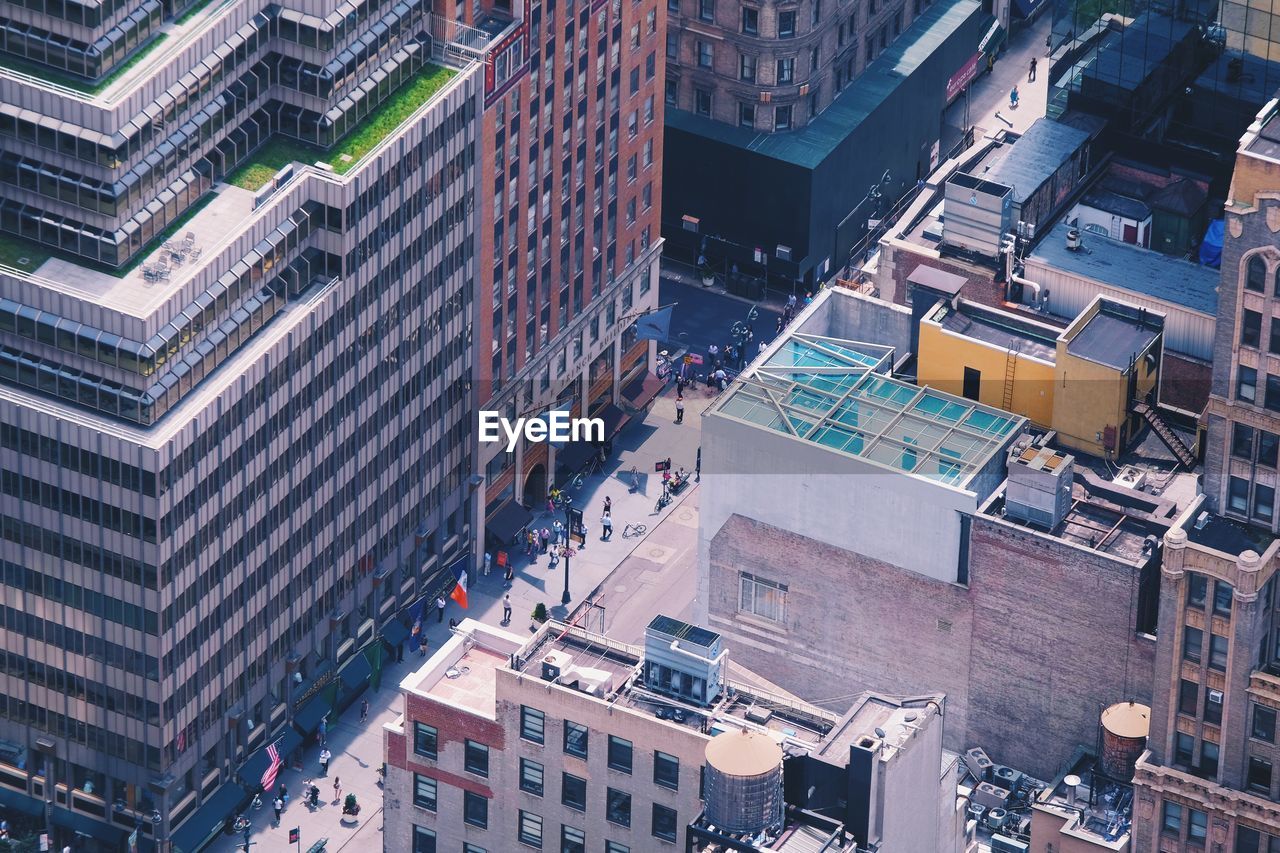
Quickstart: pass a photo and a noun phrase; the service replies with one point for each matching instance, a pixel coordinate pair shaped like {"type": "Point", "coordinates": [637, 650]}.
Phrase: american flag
{"type": "Point", "coordinates": [269, 777]}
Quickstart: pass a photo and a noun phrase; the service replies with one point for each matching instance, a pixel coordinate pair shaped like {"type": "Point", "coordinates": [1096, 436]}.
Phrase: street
{"type": "Point", "coordinates": [706, 316]}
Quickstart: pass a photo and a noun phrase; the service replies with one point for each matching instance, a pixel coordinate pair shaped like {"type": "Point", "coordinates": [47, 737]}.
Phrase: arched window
{"type": "Point", "coordinates": [1256, 274]}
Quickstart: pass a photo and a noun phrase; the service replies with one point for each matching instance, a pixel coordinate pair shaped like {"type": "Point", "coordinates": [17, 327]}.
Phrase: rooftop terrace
{"type": "Point", "coordinates": [998, 328]}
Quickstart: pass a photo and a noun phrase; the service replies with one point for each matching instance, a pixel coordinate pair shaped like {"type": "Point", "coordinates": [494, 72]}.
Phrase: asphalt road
{"type": "Point", "coordinates": [704, 316]}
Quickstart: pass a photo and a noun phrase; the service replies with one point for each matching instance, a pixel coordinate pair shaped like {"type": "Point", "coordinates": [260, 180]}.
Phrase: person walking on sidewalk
{"type": "Point", "coordinates": [506, 609]}
{"type": "Point", "coordinates": [440, 609]}
{"type": "Point", "coordinates": [606, 526]}
{"type": "Point", "coordinates": [324, 731]}
{"type": "Point", "coordinates": [324, 762]}
{"type": "Point", "coordinates": [337, 789]}
{"type": "Point", "coordinates": [608, 504]}
{"type": "Point", "coordinates": [488, 559]}
{"type": "Point", "coordinates": [557, 531]}
{"type": "Point", "coordinates": [364, 710]}
{"type": "Point", "coordinates": [679, 410]}
{"type": "Point", "coordinates": [278, 805]}
{"type": "Point", "coordinates": [1031, 76]}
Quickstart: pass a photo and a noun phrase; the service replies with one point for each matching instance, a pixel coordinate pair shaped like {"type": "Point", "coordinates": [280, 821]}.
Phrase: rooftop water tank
{"type": "Point", "coordinates": [744, 782]}
{"type": "Point", "coordinates": [1124, 735]}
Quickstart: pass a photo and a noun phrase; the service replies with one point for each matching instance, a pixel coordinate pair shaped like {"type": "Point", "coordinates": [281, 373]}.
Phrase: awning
{"type": "Point", "coordinates": [507, 521]}
{"type": "Point", "coordinates": [355, 672]}
{"type": "Point", "coordinates": [614, 419]}
{"type": "Point", "coordinates": [257, 764]}
{"type": "Point", "coordinates": [1026, 8]}
{"type": "Point", "coordinates": [642, 391]}
{"type": "Point", "coordinates": [573, 457]}
{"type": "Point", "coordinates": [20, 802]}
{"type": "Point", "coordinates": [993, 39]}
{"type": "Point", "coordinates": [308, 718]}
{"type": "Point", "coordinates": [112, 836]}
{"type": "Point", "coordinates": [198, 830]}
{"type": "Point", "coordinates": [394, 633]}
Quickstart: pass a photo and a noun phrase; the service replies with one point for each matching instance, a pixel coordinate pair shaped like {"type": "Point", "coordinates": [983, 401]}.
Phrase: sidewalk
{"type": "Point", "coordinates": [357, 747]}
{"type": "Point", "coordinates": [989, 110]}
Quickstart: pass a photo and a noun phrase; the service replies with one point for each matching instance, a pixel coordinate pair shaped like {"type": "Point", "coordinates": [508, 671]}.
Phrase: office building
{"type": "Point", "coordinates": [235, 353]}
{"type": "Point", "coordinates": [570, 740]}
{"type": "Point", "coordinates": [569, 228]}
{"type": "Point", "coordinates": [1208, 775]}
{"type": "Point", "coordinates": [957, 541]}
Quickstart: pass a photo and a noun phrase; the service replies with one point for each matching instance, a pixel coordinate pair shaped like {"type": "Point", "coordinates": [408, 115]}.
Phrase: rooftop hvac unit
{"type": "Point", "coordinates": [1006, 777]}
{"type": "Point", "coordinates": [683, 661]}
{"type": "Point", "coordinates": [690, 223]}
{"type": "Point", "coordinates": [784, 252]}
{"type": "Point", "coordinates": [555, 664]}
{"type": "Point", "coordinates": [1039, 487]}
{"type": "Point", "coordinates": [758, 715]}
{"type": "Point", "coordinates": [989, 795]}
{"type": "Point", "coordinates": [978, 763]}
{"type": "Point", "coordinates": [1004, 844]}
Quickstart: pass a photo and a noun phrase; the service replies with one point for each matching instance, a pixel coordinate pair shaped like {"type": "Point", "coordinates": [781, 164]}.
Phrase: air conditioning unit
{"type": "Point", "coordinates": [989, 795]}
{"type": "Point", "coordinates": [1004, 844]}
{"type": "Point", "coordinates": [555, 664]}
{"type": "Point", "coordinates": [690, 223]}
{"type": "Point", "coordinates": [784, 252]}
{"type": "Point", "coordinates": [979, 764]}
{"type": "Point", "coordinates": [1006, 777]}
{"type": "Point", "coordinates": [596, 682]}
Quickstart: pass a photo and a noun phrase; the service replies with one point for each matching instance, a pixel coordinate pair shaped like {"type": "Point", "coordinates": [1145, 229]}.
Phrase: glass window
{"type": "Point", "coordinates": [761, 597]}
{"type": "Point", "coordinates": [782, 118]}
{"type": "Point", "coordinates": [531, 777]}
{"type": "Point", "coordinates": [573, 792]}
{"type": "Point", "coordinates": [1238, 495]}
{"type": "Point", "coordinates": [786, 24]}
{"type": "Point", "coordinates": [666, 770]}
{"type": "Point", "coordinates": [618, 807]}
{"type": "Point", "coordinates": [707, 10]}
{"type": "Point", "coordinates": [1197, 590]}
{"type": "Point", "coordinates": [1251, 328]}
{"type": "Point", "coordinates": [1242, 441]}
{"type": "Point", "coordinates": [424, 840]}
{"type": "Point", "coordinates": [706, 55]}
{"type": "Point", "coordinates": [1264, 723]}
{"type": "Point", "coordinates": [424, 740]}
{"type": "Point", "coordinates": [1184, 749]}
{"type": "Point", "coordinates": [530, 831]}
{"type": "Point", "coordinates": [1248, 840]}
{"type": "Point", "coordinates": [477, 758]}
{"type": "Point", "coordinates": [615, 847]}
{"type": "Point", "coordinates": [1171, 820]}
{"type": "Point", "coordinates": [424, 792]}
{"type": "Point", "coordinates": [475, 809]}
{"type": "Point", "coordinates": [619, 754]}
{"type": "Point", "coordinates": [1259, 778]}
{"type": "Point", "coordinates": [746, 115]}
{"type": "Point", "coordinates": [1222, 598]}
{"type": "Point", "coordinates": [472, 848]}
{"type": "Point", "coordinates": [1197, 825]}
{"type": "Point", "coordinates": [1268, 443]}
{"type": "Point", "coordinates": [1188, 697]}
{"type": "Point", "coordinates": [572, 839]}
{"type": "Point", "coordinates": [575, 739]}
{"type": "Point", "coordinates": [750, 21]}
{"type": "Point", "coordinates": [1273, 343]}
{"type": "Point", "coordinates": [1272, 399]}
{"type": "Point", "coordinates": [1264, 501]}
{"type": "Point", "coordinates": [1213, 707]}
{"type": "Point", "coordinates": [747, 67]}
{"type": "Point", "coordinates": [532, 724]}
{"type": "Point", "coordinates": [702, 102]}
{"type": "Point", "coordinates": [1192, 644]}
{"type": "Point", "coordinates": [1217, 652]}
{"type": "Point", "coordinates": [786, 70]}
{"type": "Point", "coordinates": [1246, 384]}
{"type": "Point", "coordinates": [1209, 759]}
{"type": "Point", "coordinates": [664, 823]}
{"type": "Point", "coordinates": [1255, 274]}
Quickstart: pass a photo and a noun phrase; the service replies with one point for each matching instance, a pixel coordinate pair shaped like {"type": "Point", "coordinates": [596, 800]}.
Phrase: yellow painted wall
{"type": "Point", "coordinates": [1090, 397]}
{"type": "Point", "coordinates": [943, 356]}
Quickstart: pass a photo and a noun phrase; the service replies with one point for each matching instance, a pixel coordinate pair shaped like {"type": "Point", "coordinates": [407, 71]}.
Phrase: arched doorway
{"type": "Point", "coordinates": [535, 486]}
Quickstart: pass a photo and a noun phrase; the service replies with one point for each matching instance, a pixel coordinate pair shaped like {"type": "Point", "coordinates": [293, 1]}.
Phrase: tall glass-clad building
{"type": "Point", "coordinates": [236, 251]}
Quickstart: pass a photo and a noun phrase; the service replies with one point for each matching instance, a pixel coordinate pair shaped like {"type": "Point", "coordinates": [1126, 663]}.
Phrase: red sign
{"type": "Point", "coordinates": [294, 835]}
{"type": "Point", "coordinates": [693, 358]}
{"type": "Point", "coordinates": [963, 77]}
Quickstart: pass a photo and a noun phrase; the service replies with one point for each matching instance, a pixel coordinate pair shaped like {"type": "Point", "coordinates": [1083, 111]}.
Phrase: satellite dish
{"type": "Point", "coordinates": [879, 732]}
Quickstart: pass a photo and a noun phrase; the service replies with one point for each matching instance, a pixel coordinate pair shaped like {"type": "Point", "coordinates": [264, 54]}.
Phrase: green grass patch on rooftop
{"type": "Point", "coordinates": [70, 81]}
{"type": "Point", "coordinates": [259, 169]}
{"type": "Point", "coordinates": [22, 254]}
{"type": "Point", "coordinates": [381, 122]}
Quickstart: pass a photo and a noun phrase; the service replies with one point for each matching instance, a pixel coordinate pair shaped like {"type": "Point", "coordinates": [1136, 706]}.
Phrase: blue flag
{"type": "Point", "coordinates": [655, 326]}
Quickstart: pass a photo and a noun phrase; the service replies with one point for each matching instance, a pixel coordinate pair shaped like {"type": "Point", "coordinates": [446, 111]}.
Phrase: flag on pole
{"type": "Point", "coordinates": [269, 777]}
{"type": "Point", "coordinates": [459, 593]}
{"type": "Point", "coordinates": [655, 325]}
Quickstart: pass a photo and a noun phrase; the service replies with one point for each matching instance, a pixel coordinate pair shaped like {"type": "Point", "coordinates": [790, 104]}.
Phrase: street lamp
{"type": "Point", "coordinates": [573, 530]}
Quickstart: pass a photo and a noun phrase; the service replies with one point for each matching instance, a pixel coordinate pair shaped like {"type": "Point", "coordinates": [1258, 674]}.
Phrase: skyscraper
{"type": "Point", "coordinates": [234, 386]}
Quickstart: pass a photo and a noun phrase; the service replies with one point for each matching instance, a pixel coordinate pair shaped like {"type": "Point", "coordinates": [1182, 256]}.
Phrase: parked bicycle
{"type": "Point", "coordinates": [633, 530]}
{"type": "Point", "coordinates": [663, 500]}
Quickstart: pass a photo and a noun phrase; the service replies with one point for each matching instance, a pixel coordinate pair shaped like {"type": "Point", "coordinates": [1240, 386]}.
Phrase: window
{"type": "Point", "coordinates": [532, 724]}
{"type": "Point", "coordinates": [1188, 697]}
{"type": "Point", "coordinates": [477, 758]}
{"type": "Point", "coordinates": [1242, 441]}
{"type": "Point", "coordinates": [702, 102]}
{"type": "Point", "coordinates": [664, 823]}
{"type": "Point", "coordinates": [746, 115]}
{"type": "Point", "coordinates": [1251, 328]}
{"type": "Point", "coordinates": [747, 67]}
{"type": "Point", "coordinates": [782, 118]}
{"type": "Point", "coordinates": [1272, 400]}
{"type": "Point", "coordinates": [1192, 644]}
{"type": "Point", "coordinates": [424, 840]}
{"type": "Point", "coordinates": [673, 44]}
{"type": "Point", "coordinates": [530, 829]}
{"type": "Point", "coordinates": [475, 809]}
{"type": "Point", "coordinates": [666, 771]}
{"type": "Point", "coordinates": [618, 807]}
{"type": "Point", "coordinates": [1222, 598]}
{"type": "Point", "coordinates": [786, 25]}
{"type": "Point", "coordinates": [424, 792]}
{"type": "Point", "coordinates": [1197, 590]}
{"type": "Point", "coordinates": [1274, 343]}
{"type": "Point", "coordinates": [575, 739]}
{"type": "Point", "coordinates": [424, 740]}
{"type": "Point", "coordinates": [1213, 707]}
{"type": "Point", "coordinates": [1246, 384]}
{"type": "Point", "coordinates": [1184, 749]}
{"type": "Point", "coordinates": [1237, 495]}
{"type": "Point", "coordinates": [786, 70]}
{"type": "Point", "coordinates": [1264, 501]}
{"type": "Point", "coordinates": [1264, 724]}
{"type": "Point", "coordinates": [472, 848]}
{"type": "Point", "coordinates": [1268, 443]}
{"type": "Point", "coordinates": [817, 12]}
{"type": "Point", "coordinates": [1259, 777]}
{"type": "Point", "coordinates": [813, 58]}
{"type": "Point", "coordinates": [1217, 652]}
{"type": "Point", "coordinates": [707, 10]}
{"type": "Point", "coordinates": [572, 839]}
{"type": "Point", "coordinates": [573, 792]}
{"type": "Point", "coordinates": [531, 777]}
{"type": "Point", "coordinates": [750, 21]}
{"type": "Point", "coordinates": [705, 54]}
{"type": "Point", "coordinates": [615, 847]}
{"type": "Point", "coordinates": [1209, 759]}
{"type": "Point", "coordinates": [763, 598]}
{"type": "Point", "coordinates": [1197, 825]}
{"type": "Point", "coordinates": [1172, 818]}
{"type": "Point", "coordinates": [1256, 274]}
{"type": "Point", "coordinates": [672, 90]}
{"type": "Point", "coordinates": [619, 754]}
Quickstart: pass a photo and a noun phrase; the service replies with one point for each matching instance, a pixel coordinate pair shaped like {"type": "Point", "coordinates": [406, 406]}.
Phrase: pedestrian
{"type": "Point", "coordinates": [679, 410]}
{"type": "Point", "coordinates": [778, 330]}
{"type": "Point", "coordinates": [324, 762]}
{"type": "Point", "coordinates": [511, 570]}
{"type": "Point", "coordinates": [1013, 97]}
{"type": "Point", "coordinates": [697, 468]}
{"type": "Point", "coordinates": [808, 298]}
{"type": "Point", "coordinates": [337, 789]}
{"type": "Point", "coordinates": [506, 609]}
{"type": "Point", "coordinates": [608, 504]}
{"type": "Point", "coordinates": [606, 526]}
{"type": "Point", "coordinates": [714, 352]}
{"type": "Point", "coordinates": [1031, 78]}
{"type": "Point", "coordinates": [488, 558]}
{"type": "Point", "coordinates": [761, 349]}
{"type": "Point", "coordinates": [324, 731]}
{"type": "Point", "coordinates": [555, 559]}
{"type": "Point", "coordinates": [440, 609]}
{"type": "Point", "coordinates": [722, 378]}
{"type": "Point", "coordinates": [557, 531]}
{"type": "Point", "coordinates": [278, 805]}
{"type": "Point", "coordinates": [635, 479]}
{"type": "Point", "coordinates": [364, 710]}
{"type": "Point", "coordinates": [284, 793]}
{"type": "Point", "coordinates": [730, 354]}
{"type": "Point", "coordinates": [545, 535]}
{"type": "Point", "coordinates": [680, 384]}
{"type": "Point", "coordinates": [422, 646]}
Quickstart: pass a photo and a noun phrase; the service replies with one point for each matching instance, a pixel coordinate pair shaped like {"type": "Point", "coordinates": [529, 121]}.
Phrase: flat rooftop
{"type": "Point", "coordinates": [998, 328]}
{"type": "Point", "coordinates": [837, 394]}
{"type": "Point", "coordinates": [1266, 141]}
{"type": "Point", "coordinates": [1133, 268]}
{"type": "Point", "coordinates": [1113, 340]}
{"type": "Point", "coordinates": [1227, 535]}
{"type": "Point", "coordinates": [470, 682]}
{"type": "Point", "coordinates": [897, 719]}
{"type": "Point", "coordinates": [1035, 156]}
{"type": "Point", "coordinates": [1097, 810]}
